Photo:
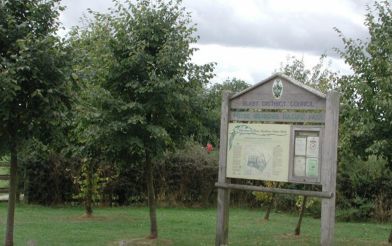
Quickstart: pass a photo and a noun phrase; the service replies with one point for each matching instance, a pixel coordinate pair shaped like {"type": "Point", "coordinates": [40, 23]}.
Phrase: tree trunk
{"type": "Point", "coordinates": [17, 192]}
{"type": "Point", "coordinates": [9, 235]}
{"type": "Point", "coordinates": [26, 187]}
{"type": "Point", "coordinates": [151, 198]}
{"type": "Point", "coordinates": [390, 237]}
{"type": "Point", "coordinates": [298, 228]}
{"type": "Point", "coordinates": [89, 195]}
{"type": "Point", "coordinates": [267, 213]}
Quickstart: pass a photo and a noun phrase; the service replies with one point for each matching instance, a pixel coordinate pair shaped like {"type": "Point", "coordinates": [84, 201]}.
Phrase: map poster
{"type": "Point", "coordinates": [258, 151]}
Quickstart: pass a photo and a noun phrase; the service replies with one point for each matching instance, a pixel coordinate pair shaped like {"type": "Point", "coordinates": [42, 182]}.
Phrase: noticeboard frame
{"type": "Point", "coordinates": [304, 179]}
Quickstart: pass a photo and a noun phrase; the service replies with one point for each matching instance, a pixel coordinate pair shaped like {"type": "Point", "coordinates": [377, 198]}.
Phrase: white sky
{"type": "Point", "coordinates": [249, 39]}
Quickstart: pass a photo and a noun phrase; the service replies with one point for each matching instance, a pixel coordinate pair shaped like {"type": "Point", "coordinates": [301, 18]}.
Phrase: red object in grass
{"type": "Point", "coordinates": [209, 148]}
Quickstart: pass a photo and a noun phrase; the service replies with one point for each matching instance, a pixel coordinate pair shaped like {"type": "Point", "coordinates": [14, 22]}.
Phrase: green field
{"type": "Point", "coordinates": [177, 226]}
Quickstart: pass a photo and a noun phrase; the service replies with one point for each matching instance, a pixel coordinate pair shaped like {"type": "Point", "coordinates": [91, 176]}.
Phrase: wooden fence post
{"type": "Point", "coordinates": [222, 222]}
{"type": "Point", "coordinates": [328, 169]}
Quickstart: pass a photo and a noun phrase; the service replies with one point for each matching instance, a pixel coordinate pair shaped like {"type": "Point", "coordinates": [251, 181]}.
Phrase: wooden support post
{"type": "Point", "coordinates": [222, 221]}
{"type": "Point", "coordinates": [328, 169]}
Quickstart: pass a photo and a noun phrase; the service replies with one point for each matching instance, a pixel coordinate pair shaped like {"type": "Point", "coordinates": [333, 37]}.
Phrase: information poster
{"type": "Point", "coordinates": [300, 145]}
{"type": "Point", "coordinates": [306, 154]}
{"type": "Point", "coordinates": [299, 166]}
{"type": "Point", "coordinates": [312, 167]}
{"type": "Point", "coordinates": [258, 151]}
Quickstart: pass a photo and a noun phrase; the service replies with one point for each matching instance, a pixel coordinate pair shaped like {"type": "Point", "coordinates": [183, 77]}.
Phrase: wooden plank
{"type": "Point", "coordinates": [222, 222]}
{"type": "Point", "coordinates": [277, 116]}
{"type": "Point", "coordinates": [275, 190]}
{"type": "Point", "coordinates": [328, 168]}
{"type": "Point", "coordinates": [293, 97]}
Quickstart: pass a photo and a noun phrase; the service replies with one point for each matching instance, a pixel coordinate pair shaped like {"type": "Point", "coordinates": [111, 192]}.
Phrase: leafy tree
{"type": "Point", "coordinates": [92, 58]}
{"type": "Point", "coordinates": [32, 75]}
{"type": "Point", "coordinates": [151, 84]}
{"type": "Point", "coordinates": [366, 95]}
{"type": "Point", "coordinates": [212, 102]}
{"type": "Point", "coordinates": [319, 77]}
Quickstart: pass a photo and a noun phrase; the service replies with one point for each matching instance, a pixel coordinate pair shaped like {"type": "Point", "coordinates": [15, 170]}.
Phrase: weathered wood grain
{"type": "Point", "coordinates": [309, 193]}
{"type": "Point", "coordinates": [222, 222]}
{"type": "Point", "coordinates": [293, 97]}
{"type": "Point", "coordinates": [328, 168]}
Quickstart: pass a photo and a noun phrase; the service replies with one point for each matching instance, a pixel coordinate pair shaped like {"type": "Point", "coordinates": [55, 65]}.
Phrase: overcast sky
{"type": "Point", "coordinates": [249, 39]}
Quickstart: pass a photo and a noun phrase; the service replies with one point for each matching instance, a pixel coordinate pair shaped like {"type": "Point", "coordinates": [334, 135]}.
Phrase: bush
{"type": "Point", "coordinates": [47, 175]}
{"type": "Point", "coordinates": [187, 176]}
{"type": "Point", "coordinates": [364, 189]}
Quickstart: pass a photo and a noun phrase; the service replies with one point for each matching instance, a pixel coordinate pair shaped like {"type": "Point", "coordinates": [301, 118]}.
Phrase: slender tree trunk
{"type": "Point", "coordinates": [89, 195]}
{"type": "Point", "coordinates": [151, 198]}
{"type": "Point", "coordinates": [298, 228]}
{"type": "Point", "coordinates": [267, 213]}
{"type": "Point", "coordinates": [9, 234]}
{"type": "Point", "coordinates": [26, 187]}
{"type": "Point", "coordinates": [17, 192]}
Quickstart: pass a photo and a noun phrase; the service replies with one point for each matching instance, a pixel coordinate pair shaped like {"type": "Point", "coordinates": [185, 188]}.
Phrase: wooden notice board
{"type": "Point", "coordinates": [279, 130]}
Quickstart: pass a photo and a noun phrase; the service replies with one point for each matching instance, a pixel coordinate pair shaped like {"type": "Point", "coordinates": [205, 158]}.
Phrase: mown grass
{"type": "Point", "coordinates": [177, 226]}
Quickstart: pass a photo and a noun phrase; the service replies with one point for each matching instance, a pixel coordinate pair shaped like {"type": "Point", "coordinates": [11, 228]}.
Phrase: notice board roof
{"type": "Point", "coordinates": [301, 85]}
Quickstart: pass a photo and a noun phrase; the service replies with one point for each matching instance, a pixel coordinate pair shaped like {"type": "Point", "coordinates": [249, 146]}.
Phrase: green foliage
{"type": "Point", "coordinates": [33, 66]}
{"type": "Point", "coordinates": [46, 175]}
{"type": "Point", "coordinates": [265, 197]}
{"type": "Point", "coordinates": [87, 185]}
{"type": "Point", "coordinates": [321, 77]}
{"type": "Point", "coordinates": [212, 99]}
{"type": "Point", "coordinates": [366, 115]}
{"type": "Point", "coordinates": [364, 189]}
{"type": "Point", "coordinates": [366, 161]}
{"type": "Point", "coordinates": [152, 82]}
{"type": "Point", "coordinates": [4, 170]}
{"type": "Point", "coordinates": [91, 61]}
{"type": "Point", "coordinates": [309, 203]}
{"type": "Point", "coordinates": [4, 184]}
{"type": "Point", "coordinates": [187, 176]}
{"type": "Point", "coordinates": [5, 159]}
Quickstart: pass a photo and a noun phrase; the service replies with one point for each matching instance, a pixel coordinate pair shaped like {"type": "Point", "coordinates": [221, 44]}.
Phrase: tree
{"type": "Point", "coordinates": [212, 103]}
{"type": "Point", "coordinates": [33, 72]}
{"type": "Point", "coordinates": [92, 58]}
{"type": "Point", "coordinates": [366, 94]}
{"type": "Point", "coordinates": [151, 84]}
{"type": "Point", "coordinates": [319, 77]}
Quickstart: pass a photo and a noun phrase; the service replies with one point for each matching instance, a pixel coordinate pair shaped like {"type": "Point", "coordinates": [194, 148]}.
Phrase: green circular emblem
{"type": "Point", "coordinates": [277, 88]}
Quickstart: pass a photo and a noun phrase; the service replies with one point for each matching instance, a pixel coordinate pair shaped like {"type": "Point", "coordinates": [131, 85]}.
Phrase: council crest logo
{"type": "Point", "coordinates": [277, 88]}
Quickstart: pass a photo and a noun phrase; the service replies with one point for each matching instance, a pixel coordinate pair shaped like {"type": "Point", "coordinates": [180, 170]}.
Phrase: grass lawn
{"type": "Point", "coordinates": [177, 226]}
